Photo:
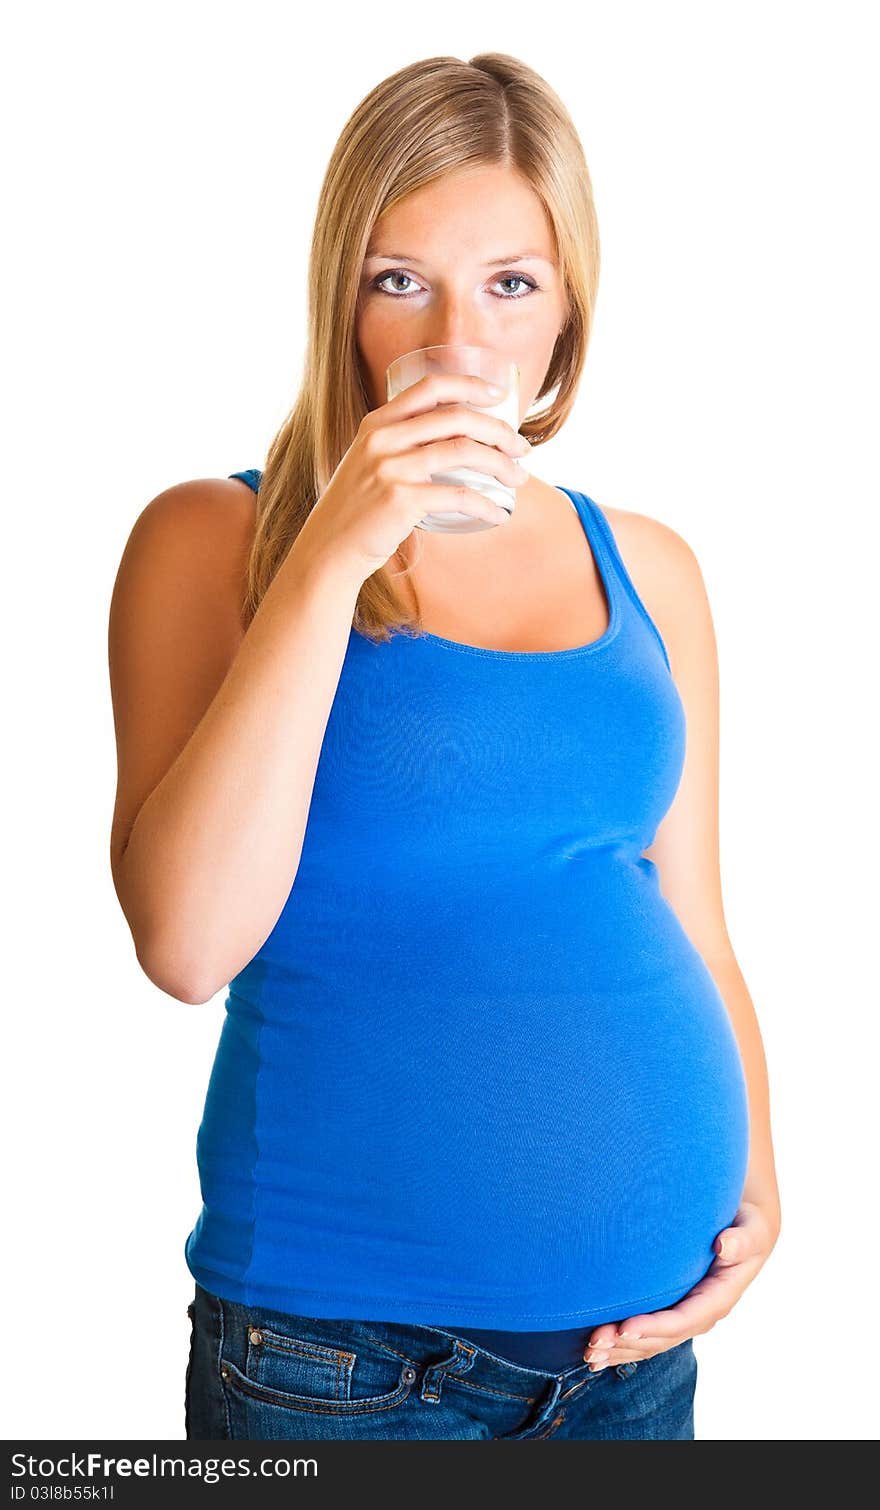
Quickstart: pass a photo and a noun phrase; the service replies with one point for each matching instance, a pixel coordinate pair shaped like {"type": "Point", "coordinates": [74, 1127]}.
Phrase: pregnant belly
{"type": "Point", "coordinates": [539, 1161]}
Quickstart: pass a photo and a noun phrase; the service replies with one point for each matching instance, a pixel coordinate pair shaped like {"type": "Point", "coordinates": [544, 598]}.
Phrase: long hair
{"type": "Point", "coordinates": [433, 117]}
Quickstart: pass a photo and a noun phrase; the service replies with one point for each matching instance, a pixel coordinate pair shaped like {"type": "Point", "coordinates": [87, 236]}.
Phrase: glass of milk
{"type": "Point", "coordinates": [473, 361]}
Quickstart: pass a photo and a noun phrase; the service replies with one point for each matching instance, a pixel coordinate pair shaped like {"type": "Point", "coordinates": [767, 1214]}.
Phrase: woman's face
{"type": "Point", "coordinates": [439, 271]}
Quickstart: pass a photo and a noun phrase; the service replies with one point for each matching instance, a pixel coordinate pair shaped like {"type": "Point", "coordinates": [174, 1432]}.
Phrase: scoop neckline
{"type": "Point", "coordinates": [571, 652]}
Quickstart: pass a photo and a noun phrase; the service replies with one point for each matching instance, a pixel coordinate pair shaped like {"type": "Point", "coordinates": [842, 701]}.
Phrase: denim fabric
{"type": "Point", "coordinates": [262, 1375]}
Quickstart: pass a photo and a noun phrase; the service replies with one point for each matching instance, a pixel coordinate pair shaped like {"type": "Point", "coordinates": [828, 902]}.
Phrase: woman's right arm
{"type": "Point", "coordinates": [203, 860]}
{"type": "Point", "coordinates": [218, 732]}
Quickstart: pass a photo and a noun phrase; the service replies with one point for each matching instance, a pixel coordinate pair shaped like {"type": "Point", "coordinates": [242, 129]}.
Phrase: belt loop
{"type": "Point", "coordinates": [457, 1362]}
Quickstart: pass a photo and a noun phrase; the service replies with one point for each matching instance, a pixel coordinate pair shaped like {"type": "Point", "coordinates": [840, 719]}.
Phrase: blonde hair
{"type": "Point", "coordinates": [433, 117]}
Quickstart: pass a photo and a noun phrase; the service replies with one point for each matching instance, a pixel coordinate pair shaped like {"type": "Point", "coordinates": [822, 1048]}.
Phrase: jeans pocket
{"type": "Point", "coordinates": [301, 1369]}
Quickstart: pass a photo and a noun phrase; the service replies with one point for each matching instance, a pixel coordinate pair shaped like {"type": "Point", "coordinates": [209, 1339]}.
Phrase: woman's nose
{"type": "Point", "coordinates": [452, 323]}
{"type": "Point", "coordinates": [454, 335]}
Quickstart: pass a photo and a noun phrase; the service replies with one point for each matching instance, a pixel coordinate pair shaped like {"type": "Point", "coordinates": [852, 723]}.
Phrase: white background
{"type": "Point", "coordinates": [162, 168]}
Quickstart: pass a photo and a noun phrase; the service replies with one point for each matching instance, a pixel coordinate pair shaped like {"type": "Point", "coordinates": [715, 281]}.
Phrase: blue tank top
{"type": "Point", "coordinates": [478, 1076]}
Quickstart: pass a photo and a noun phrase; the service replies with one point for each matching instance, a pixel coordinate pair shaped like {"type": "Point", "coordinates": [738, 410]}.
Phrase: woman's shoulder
{"type": "Point", "coordinates": [218, 510]}
{"type": "Point", "coordinates": [662, 566]}
{"type": "Point", "coordinates": [201, 499]}
{"type": "Point", "coordinates": [644, 538]}
{"type": "Point", "coordinates": [197, 531]}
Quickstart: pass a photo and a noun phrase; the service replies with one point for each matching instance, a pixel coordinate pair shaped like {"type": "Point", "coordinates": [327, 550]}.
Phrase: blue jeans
{"type": "Point", "coordinates": [261, 1375]}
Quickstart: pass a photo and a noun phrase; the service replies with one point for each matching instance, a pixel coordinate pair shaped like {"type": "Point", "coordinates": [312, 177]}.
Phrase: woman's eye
{"type": "Point", "coordinates": [517, 278]}
{"type": "Point", "coordinates": [380, 281]}
{"type": "Point", "coordinates": [528, 284]}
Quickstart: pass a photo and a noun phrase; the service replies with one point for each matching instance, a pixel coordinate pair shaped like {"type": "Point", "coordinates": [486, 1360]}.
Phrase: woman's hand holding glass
{"type": "Point", "coordinates": [382, 487]}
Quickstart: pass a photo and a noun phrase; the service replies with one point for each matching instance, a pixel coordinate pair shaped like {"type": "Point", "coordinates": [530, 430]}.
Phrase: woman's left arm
{"type": "Point", "coordinates": [685, 850]}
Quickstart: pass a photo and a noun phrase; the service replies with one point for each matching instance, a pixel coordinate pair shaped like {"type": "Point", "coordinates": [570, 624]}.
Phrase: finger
{"type": "Point", "coordinates": [621, 1352]}
{"type": "Point", "coordinates": [730, 1248]}
{"type": "Point", "coordinates": [441, 388]}
{"type": "Point", "coordinates": [443, 498]}
{"type": "Point", "coordinates": [698, 1309]}
{"type": "Point", "coordinates": [442, 456]}
{"type": "Point", "coordinates": [704, 1300]}
{"type": "Point", "coordinates": [733, 1244]}
{"type": "Point", "coordinates": [445, 423]}
{"type": "Point", "coordinates": [603, 1337]}
{"type": "Point", "coordinates": [611, 1334]}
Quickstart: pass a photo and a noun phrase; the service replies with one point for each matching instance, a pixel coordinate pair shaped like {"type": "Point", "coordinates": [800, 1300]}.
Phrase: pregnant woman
{"type": "Point", "coordinates": [442, 810]}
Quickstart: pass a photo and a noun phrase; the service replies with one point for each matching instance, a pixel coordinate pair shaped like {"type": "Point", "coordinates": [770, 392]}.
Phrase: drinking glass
{"type": "Point", "coordinates": [472, 361]}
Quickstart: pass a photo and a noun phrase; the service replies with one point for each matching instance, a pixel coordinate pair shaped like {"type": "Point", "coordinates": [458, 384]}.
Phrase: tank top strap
{"type": "Point", "coordinates": [251, 476]}
{"type": "Point", "coordinates": [604, 535]}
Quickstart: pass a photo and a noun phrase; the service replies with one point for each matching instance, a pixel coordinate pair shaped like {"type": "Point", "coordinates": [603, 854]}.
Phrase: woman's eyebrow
{"type": "Point", "coordinates": [493, 261]}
